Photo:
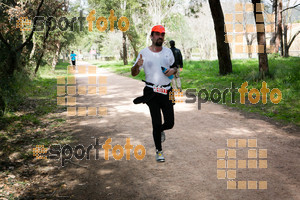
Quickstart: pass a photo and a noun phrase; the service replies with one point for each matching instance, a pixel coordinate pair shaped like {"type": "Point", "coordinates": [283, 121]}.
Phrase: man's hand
{"type": "Point", "coordinates": [140, 61]}
{"type": "Point", "coordinates": [181, 69]}
{"type": "Point", "coordinates": [170, 71]}
{"type": "Point", "coordinates": [135, 69]}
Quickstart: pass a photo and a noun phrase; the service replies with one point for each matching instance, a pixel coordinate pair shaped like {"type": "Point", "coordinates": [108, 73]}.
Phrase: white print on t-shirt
{"type": "Point", "coordinates": [153, 61]}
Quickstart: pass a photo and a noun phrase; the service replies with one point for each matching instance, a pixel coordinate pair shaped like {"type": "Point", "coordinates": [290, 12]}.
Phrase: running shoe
{"type": "Point", "coordinates": [163, 136]}
{"type": "Point", "coordinates": [160, 156]}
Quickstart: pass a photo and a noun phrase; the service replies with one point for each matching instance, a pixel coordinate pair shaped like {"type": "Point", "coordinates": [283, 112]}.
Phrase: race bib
{"type": "Point", "coordinates": [160, 90]}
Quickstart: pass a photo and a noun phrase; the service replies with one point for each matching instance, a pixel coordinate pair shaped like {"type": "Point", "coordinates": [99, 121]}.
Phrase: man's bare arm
{"type": "Point", "coordinates": [135, 70]}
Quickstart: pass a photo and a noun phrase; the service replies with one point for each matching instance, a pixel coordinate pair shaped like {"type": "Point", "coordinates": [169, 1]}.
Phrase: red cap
{"type": "Point", "coordinates": [158, 28]}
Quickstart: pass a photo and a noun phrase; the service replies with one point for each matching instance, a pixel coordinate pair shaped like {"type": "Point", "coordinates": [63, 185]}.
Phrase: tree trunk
{"type": "Point", "coordinates": [38, 63]}
{"type": "Point", "coordinates": [290, 43]}
{"type": "Point", "coordinates": [286, 49]}
{"type": "Point", "coordinates": [274, 10]}
{"type": "Point", "coordinates": [186, 52]}
{"type": "Point", "coordinates": [261, 40]}
{"type": "Point", "coordinates": [43, 50]}
{"type": "Point", "coordinates": [33, 48]}
{"type": "Point", "coordinates": [225, 65]}
{"type": "Point", "coordinates": [55, 57]}
{"type": "Point", "coordinates": [64, 57]}
{"type": "Point", "coordinates": [133, 42]}
{"type": "Point", "coordinates": [125, 61]}
{"type": "Point", "coordinates": [136, 53]}
{"type": "Point", "coordinates": [183, 49]}
{"type": "Point", "coordinates": [249, 43]}
{"type": "Point", "coordinates": [279, 28]}
{"type": "Point", "coordinates": [12, 63]}
{"type": "Point", "coordinates": [12, 59]}
{"type": "Point", "coordinates": [147, 38]}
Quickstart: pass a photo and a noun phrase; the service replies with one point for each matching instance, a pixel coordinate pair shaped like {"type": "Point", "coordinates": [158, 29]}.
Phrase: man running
{"type": "Point", "coordinates": [73, 59]}
{"type": "Point", "coordinates": [176, 83]}
{"type": "Point", "coordinates": [156, 92]}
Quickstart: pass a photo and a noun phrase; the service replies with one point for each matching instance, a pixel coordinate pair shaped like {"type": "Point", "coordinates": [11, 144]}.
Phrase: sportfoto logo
{"type": "Point", "coordinates": [64, 23]}
{"type": "Point", "coordinates": [95, 86]}
{"type": "Point", "coordinates": [56, 152]}
{"type": "Point", "coordinates": [215, 95]}
{"type": "Point", "coordinates": [231, 159]}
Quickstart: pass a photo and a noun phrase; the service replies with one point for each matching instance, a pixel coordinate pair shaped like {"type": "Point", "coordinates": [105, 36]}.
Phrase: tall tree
{"type": "Point", "coordinates": [285, 17]}
{"type": "Point", "coordinates": [10, 36]}
{"type": "Point", "coordinates": [274, 10]}
{"type": "Point", "coordinates": [261, 37]}
{"type": "Point", "coordinates": [121, 8]}
{"type": "Point", "coordinates": [160, 10]}
{"type": "Point", "coordinates": [288, 45]}
{"type": "Point", "coordinates": [53, 12]}
{"type": "Point", "coordinates": [278, 41]}
{"type": "Point", "coordinates": [124, 52]}
{"type": "Point", "coordinates": [124, 36]}
{"type": "Point", "coordinates": [225, 65]}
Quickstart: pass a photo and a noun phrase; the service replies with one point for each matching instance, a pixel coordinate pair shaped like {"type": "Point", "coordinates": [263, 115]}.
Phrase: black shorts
{"type": "Point", "coordinates": [73, 62]}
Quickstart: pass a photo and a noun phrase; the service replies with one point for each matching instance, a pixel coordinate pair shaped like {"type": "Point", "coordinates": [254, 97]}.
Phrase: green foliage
{"type": "Point", "coordinates": [11, 91]}
{"type": "Point", "coordinates": [32, 122]}
{"type": "Point", "coordinates": [23, 93]}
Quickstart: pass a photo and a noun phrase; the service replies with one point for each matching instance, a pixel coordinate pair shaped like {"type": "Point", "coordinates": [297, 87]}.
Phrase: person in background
{"type": "Point", "coordinates": [176, 83]}
{"type": "Point", "coordinates": [73, 59]}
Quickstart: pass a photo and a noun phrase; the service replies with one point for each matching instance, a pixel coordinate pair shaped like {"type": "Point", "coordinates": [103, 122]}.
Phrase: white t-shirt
{"type": "Point", "coordinates": [153, 61]}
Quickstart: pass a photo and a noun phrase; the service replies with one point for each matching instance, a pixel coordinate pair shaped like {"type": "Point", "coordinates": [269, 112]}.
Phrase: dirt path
{"type": "Point", "coordinates": [190, 170]}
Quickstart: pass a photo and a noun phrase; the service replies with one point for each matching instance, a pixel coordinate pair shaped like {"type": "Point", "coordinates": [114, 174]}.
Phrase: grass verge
{"type": "Point", "coordinates": [32, 120]}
